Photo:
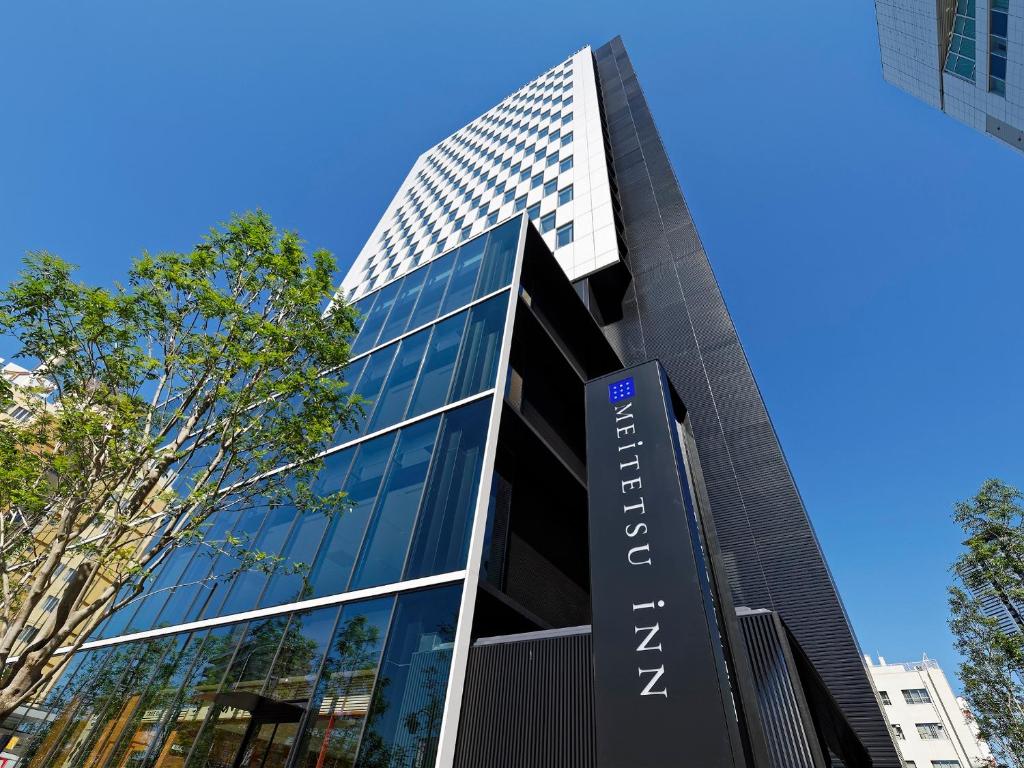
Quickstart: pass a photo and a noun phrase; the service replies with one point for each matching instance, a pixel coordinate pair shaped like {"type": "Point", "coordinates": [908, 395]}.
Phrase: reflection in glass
{"type": "Point", "coordinates": [370, 384]}
{"type": "Point", "coordinates": [140, 739]}
{"type": "Point", "coordinates": [291, 576]}
{"type": "Point", "coordinates": [478, 360]}
{"type": "Point", "coordinates": [387, 536]}
{"type": "Point", "coordinates": [376, 318]}
{"type": "Point", "coordinates": [193, 587]}
{"type": "Point", "coordinates": [438, 273]}
{"type": "Point", "coordinates": [213, 591]}
{"type": "Point", "coordinates": [436, 376]}
{"type": "Point", "coordinates": [222, 737]}
{"type": "Point", "coordinates": [365, 304]}
{"type": "Point", "coordinates": [286, 690]}
{"type": "Point", "coordinates": [397, 323]}
{"type": "Point", "coordinates": [395, 394]}
{"type": "Point", "coordinates": [338, 708]}
{"type": "Point", "coordinates": [446, 517]}
{"type": "Point", "coordinates": [43, 736]}
{"type": "Point", "coordinates": [405, 715]}
{"type": "Point", "coordinates": [247, 585]}
{"type": "Point", "coordinates": [190, 730]}
{"type": "Point", "coordinates": [467, 267]}
{"type": "Point", "coordinates": [499, 258]}
{"type": "Point", "coordinates": [333, 565]}
{"type": "Point", "coordinates": [298, 663]}
{"type": "Point", "coordinates": [277, 660]}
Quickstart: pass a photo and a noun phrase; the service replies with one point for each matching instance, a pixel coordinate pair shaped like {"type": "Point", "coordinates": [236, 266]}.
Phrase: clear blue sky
{"type": "Point", "coordinates": [869, 247]}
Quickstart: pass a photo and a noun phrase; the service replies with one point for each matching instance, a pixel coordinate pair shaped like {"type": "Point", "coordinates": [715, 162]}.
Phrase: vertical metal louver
{"type": "Point", "coordinates": [789, 731]}
{"type": "Point", "coordinates": [529, 702]}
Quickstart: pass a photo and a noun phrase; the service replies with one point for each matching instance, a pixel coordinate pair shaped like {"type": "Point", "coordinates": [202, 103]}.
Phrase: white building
{"type": "Point", "coordinates": [965, 57]}
{"type": "Point", "coordinates": [930, 725]}
{"type": "Point", "coordinates": [540, 150]}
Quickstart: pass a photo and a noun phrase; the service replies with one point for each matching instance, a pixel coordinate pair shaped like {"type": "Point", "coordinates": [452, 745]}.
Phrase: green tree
{"type": "Point", "coordinates": [207, 383]}
{"type": "Point", "coordinates": [992, 567]}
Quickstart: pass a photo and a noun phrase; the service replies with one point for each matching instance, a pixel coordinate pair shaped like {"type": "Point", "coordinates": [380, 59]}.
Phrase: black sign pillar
{"type": "Point", "coordinates": [661, 690]}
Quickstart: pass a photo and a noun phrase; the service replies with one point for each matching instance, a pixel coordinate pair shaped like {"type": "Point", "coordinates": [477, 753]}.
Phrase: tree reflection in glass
{"type": "Point", "coordinates": [339, 706]}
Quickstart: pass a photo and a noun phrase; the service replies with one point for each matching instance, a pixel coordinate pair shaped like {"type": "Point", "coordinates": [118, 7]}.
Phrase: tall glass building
{"type": "Point", "coordinates": [543, 246]}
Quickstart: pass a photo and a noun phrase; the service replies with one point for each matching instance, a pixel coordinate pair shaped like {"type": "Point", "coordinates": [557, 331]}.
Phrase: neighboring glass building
{"type": "Point", "coordinates": [544, 245]}
{"type": "Point", "coordinates": [965, 57]}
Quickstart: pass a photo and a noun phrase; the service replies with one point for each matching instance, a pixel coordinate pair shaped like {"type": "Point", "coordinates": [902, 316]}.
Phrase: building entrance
{"type": "Point", "coordinates": [252, 731]}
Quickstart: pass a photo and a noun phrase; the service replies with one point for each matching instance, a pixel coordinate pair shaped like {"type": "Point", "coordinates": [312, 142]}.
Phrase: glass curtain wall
{"type": "Point", "coordinates": [363, 683]}
{"type": "Point", "coordinates": [428, 340]}
{"type": "Point", "coordinates": [357, 684]}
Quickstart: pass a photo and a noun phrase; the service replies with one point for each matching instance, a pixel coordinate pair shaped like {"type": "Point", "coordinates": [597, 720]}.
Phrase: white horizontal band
{"type": "Point", "coordinates": [259, 613]}
{"type": "Point", "coordinates": [435, 321]}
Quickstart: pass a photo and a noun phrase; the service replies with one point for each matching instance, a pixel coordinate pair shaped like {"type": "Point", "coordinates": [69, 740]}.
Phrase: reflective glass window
{"type": "Point", "coordinates": [351, 373]}
{"type": "Point", "coordinates": [499, 258]}
{"type": "Point", "coordinates": [212, 656]}
{"type": "Point", "coordinates": [565, 195]}
{"type": "Point", "coordinates": [138, 731]}
{"type": "Point", "coordinates": [999, 23]}
{"type": "Point", "coordinates": [219, 580]}
{"type": "Point", "coordinates": [193, 581]}
{"type": "Point", "coordinates": [398, 321]}
{"type": "Point", "coordinates": [339, 706]}
{"type": "Point", "coordinates": [405, 715]}
{"type": "Point", "coordinates": [478, 358]}
{"type": "Point", "coordinates": [997, 66]}
{"type": "Point", "coordinates": [364, 305]}
{"type": "Point", "coordinates": [394, 396]}
{"type": "Point", "coordinates": [255, 655]}
{"type": "Point", "coordinates": [467, 267]}
{"type": "Point", "coordinates": [297, 663]}
{"type": "Point", "coordinates": [65, 702]}
{"type": "Point", "coordinates": [333, 564]}
{"type": "Point", "coordinates": [564, 235]}
{"type": "Point", "coordinates": [387, 536]}
{"type": "Point", "coordinates": [446, 515]}
{"type": "Point", "coordinates": [440, 271]}
{"type": "Point", "coordinates": [370, 385]}
{"type": "Point", "coordinates": [290, 580]}
{"type": "Point", "coordinates": [547, 223]}
{"type": "Point", "coordinates": [248, 585]}
{"type": "Point", "coordinates": [110, 701]}
{"type": "Point", "coordinates": [435, 378]}
{"type": "Point", "coordinates": [375, 319]}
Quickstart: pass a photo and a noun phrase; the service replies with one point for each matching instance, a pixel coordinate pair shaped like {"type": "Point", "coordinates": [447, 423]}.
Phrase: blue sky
{"type": "Point", "coordinates": [869, 247]}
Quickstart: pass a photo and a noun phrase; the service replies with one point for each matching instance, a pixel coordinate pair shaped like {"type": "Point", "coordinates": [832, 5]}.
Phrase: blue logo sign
{"type": "Point", "coordinates": [622, 389]}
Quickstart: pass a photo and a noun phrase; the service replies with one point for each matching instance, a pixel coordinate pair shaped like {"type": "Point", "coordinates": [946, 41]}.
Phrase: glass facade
{"type": "Point", "coordinates": [352, 683]}
{"type": "Point", "coordinates": [363, 682]}
{"type": "Point", "coordinates": [960, 58]}
{"type": "Point", "coordinates": [426, 349]}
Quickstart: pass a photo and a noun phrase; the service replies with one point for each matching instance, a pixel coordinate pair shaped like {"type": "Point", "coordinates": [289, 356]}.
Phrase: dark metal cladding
{"type": "Point", "coordinates": [529, 702]}
{"type": "Point", "coordinates": [789, 730]}
{"type": "Point", "coordinates": [673, 310]}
